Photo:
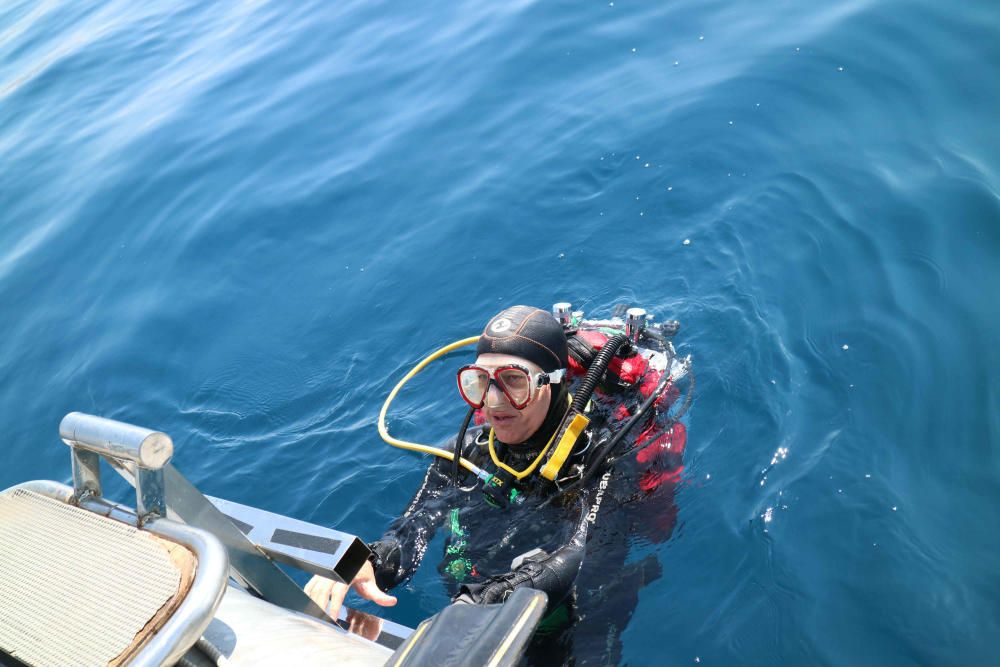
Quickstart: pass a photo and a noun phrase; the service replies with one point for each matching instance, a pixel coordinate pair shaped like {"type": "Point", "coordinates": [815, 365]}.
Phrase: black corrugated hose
{"type": "Point", "coordinates": [596, 371]}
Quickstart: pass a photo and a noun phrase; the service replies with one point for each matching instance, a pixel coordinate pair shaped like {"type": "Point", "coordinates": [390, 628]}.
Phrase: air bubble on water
{"type": "Point", "coordinates": [780, 454]}
{"type": "Point", "coordinates": [670, 188]}
{"type": "Point", "coordinates": [701, 38]}
{"type": "Point", "coordinates": [687, 241]}
{"type": "Point", "coordinates": [730, 122]}
{"type": "Point", "coordinates": [840, 69]}
{"type": "Point", "coordinates": [561, 255]}
{"type": "Point", "coordinates": [845, 346]}
{"type": "Point", "coordinates": [633, 49]}
{"type": "Point", "coordinates": [676, 63]}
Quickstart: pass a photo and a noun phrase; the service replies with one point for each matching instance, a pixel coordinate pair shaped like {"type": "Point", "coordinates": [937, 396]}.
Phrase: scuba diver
{"type": "Point", "coordinates": [546, 473]}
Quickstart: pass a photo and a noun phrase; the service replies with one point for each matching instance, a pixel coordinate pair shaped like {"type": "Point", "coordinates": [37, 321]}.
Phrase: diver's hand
{"type": "Point", "coordinates": [530, 573]}
{"type": "Point", "coordinates": [330, 594]}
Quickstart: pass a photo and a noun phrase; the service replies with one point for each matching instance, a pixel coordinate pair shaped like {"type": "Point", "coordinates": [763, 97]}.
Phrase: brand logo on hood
{"type": "Point", "coordinates": [501, 325]}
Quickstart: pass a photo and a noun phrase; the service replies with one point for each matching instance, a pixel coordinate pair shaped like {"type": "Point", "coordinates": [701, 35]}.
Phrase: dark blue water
{"type": "Point", "coordinates": [240, 222]}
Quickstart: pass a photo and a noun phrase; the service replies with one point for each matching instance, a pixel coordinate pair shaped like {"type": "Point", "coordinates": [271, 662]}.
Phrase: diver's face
{"type": "Point", "coordinates": [510, 424]}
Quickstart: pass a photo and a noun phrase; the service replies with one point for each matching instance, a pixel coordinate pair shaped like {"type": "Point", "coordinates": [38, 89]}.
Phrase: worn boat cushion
{"type": "Point", "coordinates": [77, 588]}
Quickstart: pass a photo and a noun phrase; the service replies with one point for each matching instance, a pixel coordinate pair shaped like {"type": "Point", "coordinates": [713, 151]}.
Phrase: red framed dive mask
{"type": "Point", "coordinates": [517, 383]}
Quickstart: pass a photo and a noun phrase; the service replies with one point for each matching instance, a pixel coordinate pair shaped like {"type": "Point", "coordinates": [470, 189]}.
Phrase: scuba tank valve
{"type": "Point", "coordinates": [563, 312]}
{"type": "Point", "coordinates": [635, 322]}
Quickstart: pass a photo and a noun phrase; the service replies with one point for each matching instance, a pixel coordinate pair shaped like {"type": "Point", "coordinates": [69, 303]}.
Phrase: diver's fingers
{"type": "Point", "coordinates": [337, 594]}
{"type": "Point", "coordinates": [318, 589]}
{"type": "Point", "coordinates": [369, 590]}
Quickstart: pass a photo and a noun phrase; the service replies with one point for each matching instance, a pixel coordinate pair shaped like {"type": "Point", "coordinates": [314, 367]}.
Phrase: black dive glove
{"type": "Point", "coordinates": [553, 575]}
{"type": "Point", "coordinates": [498, 588]}
{"type": "Point", "coordinates": [385, 559]}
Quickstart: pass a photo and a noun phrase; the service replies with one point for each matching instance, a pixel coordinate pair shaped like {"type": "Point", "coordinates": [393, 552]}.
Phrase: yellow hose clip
{"type": "Point", "coordinates": [567, 441]}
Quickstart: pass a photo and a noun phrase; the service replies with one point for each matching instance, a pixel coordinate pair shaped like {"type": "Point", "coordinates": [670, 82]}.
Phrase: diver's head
{"type": "Point", "coordinates": [521, 352]}
{"type": "Point", "coordinates": [506, 388]}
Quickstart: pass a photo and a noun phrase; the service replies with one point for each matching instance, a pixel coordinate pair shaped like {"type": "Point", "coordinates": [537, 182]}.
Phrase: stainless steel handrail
{"type": "Point", "coordinates": [150, 449]}
{"type": "Point", "coordinates": [91, 437]}
{"type": "Point", "coordinates": [189, 620]}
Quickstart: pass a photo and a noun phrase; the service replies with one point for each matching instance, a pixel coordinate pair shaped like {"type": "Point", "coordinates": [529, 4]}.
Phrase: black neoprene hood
{"type": "Point", "coordinates": [526, 332]}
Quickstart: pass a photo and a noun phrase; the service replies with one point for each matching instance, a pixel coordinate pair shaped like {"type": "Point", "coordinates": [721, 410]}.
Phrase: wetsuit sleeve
{"type": "Point", "coordinates": [397, 554]}
{"type": "Point", "coordinates": [554, 574]}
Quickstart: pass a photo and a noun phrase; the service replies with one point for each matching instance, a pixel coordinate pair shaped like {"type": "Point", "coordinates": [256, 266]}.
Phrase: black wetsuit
{"type": "Point", "coordinates": [583, 535]}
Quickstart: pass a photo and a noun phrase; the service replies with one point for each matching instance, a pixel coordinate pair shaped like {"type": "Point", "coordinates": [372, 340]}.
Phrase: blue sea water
{"type": "Point", "coordinates": [241, 222]}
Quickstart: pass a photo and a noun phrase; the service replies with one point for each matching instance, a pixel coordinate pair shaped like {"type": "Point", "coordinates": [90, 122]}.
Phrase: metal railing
{"type": "Point", "coordinates": [253, 539]}
{"type": "Point", "coordinates": [90, 437]}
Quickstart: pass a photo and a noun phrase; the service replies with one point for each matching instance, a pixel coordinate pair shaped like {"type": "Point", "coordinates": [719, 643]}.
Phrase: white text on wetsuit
{"type": "Point", "coordinates": [596, 507]}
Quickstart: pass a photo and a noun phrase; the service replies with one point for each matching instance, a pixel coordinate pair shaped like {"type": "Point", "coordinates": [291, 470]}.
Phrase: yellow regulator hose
{"type": "Point", "coordinates": [414, 446]}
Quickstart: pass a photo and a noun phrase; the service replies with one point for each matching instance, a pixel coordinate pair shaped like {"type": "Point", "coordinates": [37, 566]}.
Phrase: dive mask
{"type": "Point", "coordinates": [517, 383]}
